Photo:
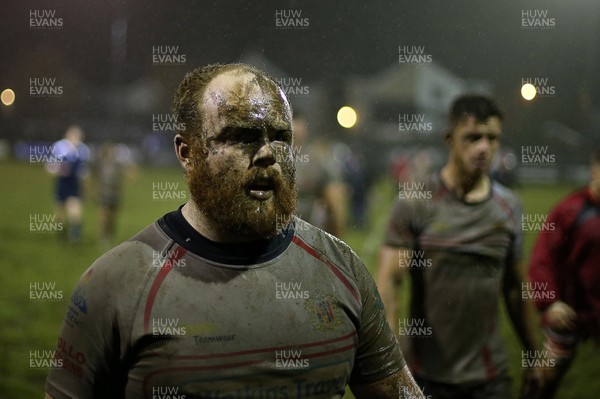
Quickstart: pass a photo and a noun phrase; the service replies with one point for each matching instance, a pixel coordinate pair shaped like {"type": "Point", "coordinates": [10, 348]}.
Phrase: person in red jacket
{"type": "Point", "coordinates": [565, 276]}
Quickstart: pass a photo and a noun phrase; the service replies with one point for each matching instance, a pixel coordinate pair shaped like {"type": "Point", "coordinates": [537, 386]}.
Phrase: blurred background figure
{"type": "Point", "coordinates": [401, 167]}
{"type": "Point", "coordinates": [70, 172]}
{"type": "Point", "coordinates": [565, 276]}
{"type": "Point", "coordinates": [321, 192]}
{"type": "Point", "coordinates": [504, 167]}
{"type": "Point", "coordinates": [356, 180]}
{"type": "Point", "coordinates": [111, 166]}
{"type": "Point", "coordinates": [422, 165]}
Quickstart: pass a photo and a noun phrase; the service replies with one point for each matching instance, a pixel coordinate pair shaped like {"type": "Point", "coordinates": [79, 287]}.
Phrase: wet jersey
{"type": "Point", "coordinates": [170, 314]}
{"type": "Point", "coordinates": [458, 252]}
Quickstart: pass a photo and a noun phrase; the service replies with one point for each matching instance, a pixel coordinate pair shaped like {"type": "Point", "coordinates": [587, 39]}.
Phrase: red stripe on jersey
{"type": "Point", "coordinates": [490, 369]}
{"type": "Point", "coordinates": [486, 354]}
{"type": "Point", "coordinates": [165, 268]}
{"type": "Point", "coordinates": [274, 348]}
{"type": "Point", "coordinates": [503, 204]}
{"type": "Point", "coordinates": [315, 254]}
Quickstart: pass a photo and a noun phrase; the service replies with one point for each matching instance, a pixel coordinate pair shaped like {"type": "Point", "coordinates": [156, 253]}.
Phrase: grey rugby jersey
{"type": "Point", "coordinates": [153, 319]}
{"type": "Point", "coordinates": [459, 253]}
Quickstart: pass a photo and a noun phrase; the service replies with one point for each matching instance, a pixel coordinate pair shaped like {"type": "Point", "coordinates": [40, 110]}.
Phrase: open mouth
{"type": "Point", "coordinates": [480, 162]}
{"type": "Point", "coordinates": [261, 190]}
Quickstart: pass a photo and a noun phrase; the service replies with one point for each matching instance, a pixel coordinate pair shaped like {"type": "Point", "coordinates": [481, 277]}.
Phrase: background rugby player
{"type": "Point", "coordinates": [459, 237]}
{"type": "Point", "coordinates": [565, 276]}
{"type": "Point", "coordinates": [70, 169]}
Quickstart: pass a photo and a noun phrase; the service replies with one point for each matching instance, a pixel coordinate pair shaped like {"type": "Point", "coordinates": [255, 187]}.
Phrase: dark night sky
{"type": "Point", "coordinates": [473, 39]}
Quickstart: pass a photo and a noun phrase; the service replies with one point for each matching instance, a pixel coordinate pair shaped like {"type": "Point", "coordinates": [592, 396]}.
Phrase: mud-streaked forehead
{"type": "Point", "coordinates": [241, 98]}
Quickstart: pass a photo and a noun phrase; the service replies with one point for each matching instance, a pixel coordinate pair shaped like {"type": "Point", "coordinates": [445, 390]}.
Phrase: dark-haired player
{"type": "Point", "coordinates": [458, 236]}
{"type": "Point", "coordinates": [230, 296]}
{"type": "Point", "coordinates": [565, 274]}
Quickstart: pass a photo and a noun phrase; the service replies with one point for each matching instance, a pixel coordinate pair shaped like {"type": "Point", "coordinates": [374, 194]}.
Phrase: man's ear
{"type": "Point", "coordinates": [182, 151]}
{"type": "Point", "coordinates": [448, 136]}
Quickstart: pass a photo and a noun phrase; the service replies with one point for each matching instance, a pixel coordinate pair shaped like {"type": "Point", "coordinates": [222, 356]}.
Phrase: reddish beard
{"type": "Point", "coordinates": [223, 198]}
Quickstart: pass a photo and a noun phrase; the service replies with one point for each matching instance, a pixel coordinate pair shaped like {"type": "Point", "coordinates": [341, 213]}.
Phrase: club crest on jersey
{"type": "Point", "coordinates": [324, 311]}
{"type": "Point", "coordinates": [78, 297]}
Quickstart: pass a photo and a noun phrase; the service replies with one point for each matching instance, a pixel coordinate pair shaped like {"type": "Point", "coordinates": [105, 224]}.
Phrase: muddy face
{"type": "Point", "coordinates": [243, 174]}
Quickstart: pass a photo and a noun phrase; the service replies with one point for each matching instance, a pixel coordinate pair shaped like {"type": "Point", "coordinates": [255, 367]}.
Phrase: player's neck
{"type": "Point", "coordinates": [470, 188]}
{"type": "Point", "coordinates": [196, 218]}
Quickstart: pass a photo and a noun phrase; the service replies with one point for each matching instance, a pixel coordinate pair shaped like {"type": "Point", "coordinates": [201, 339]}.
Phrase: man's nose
{"type": "Point", "coordinates": [265, 156]}
{"type": "Point", "coordinates": [484, 144]}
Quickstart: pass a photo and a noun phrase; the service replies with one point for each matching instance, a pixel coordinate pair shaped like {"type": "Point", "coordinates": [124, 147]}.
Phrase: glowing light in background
{"type": "Point", "coordinates": [528, 91]}
{"type": "Point", "coordinates": [346, 117]}
{"type": "Point", "coordinates": [7, 97]}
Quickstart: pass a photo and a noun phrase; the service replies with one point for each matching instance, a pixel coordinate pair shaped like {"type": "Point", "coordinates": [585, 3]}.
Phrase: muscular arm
{"type": "Point", "coordinates": [547, 267]}
{"type": "Point", "coordinates": [399, 385]}
{"type": "Point", "coordinates": [547, 256]}
{"type": "Point", "coordinates": [519, 311]}
{"type": "Point", "coordinates": [388, 278]}
{"type": "Point", "coordinates": [521, 315]}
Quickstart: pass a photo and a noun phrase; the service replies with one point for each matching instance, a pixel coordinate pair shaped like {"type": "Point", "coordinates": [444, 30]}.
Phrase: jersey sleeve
{"type": "Point", "coordinates": [401, 227]}
{"type": "Point", "coordinates": [378, 355]}
{"type": "Point", "coordinates": [546, 257]}
{"type": "Point", "coordinates": [92, 337]}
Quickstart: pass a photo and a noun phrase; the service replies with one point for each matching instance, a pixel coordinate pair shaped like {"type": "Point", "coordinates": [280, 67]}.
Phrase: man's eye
{"type": "Point", "coordinates": [282, 135]}
{"type": "Point", "coordinates": [234, 138]}
{"type": "Point", "coordinates": [242, 137]}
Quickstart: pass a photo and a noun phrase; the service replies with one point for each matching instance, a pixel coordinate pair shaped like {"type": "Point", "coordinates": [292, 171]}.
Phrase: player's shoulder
{"type": "Point", "coordinates": [575, 198]}
{"type": "Point", "coordinates": [61, 142]}
{"type": "Point", "coordinates": [431, 182]}
{"type": "Point", "coordinates": [426, 190]}
{"type": "Point", "coordinates": [570, 205]}
{"type": "Point", "coordinates": [325, 246]}
{"type": "Point", "coordinates": [84, 151]}
{"type": "Point", "coordinates": [417, 198]}
{"type": "Point", "coordinates": [505, 195]}
{"type": "Point", "coordinates": [62, 146]}
{"type": "Point", "coordinates": [114, 283]}
{"type": "Point", "coordinates": [131, 259]}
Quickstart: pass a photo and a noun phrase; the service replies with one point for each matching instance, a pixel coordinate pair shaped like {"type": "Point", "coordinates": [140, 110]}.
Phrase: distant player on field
{"type": "Point", "coordinates": [110, 168]}
{"type": "Point", "coordinates": [70, 171]}
{"type": "Point", "coordinates": [458, 235]}
{"type": "Point", "coordinates": [565, 272]}
{"type": "Point", "coordinates": [219, 300]}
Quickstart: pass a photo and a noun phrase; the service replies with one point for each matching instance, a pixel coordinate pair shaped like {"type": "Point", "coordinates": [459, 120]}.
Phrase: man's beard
{"type": "Point", "coordinates": [223, 199]}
